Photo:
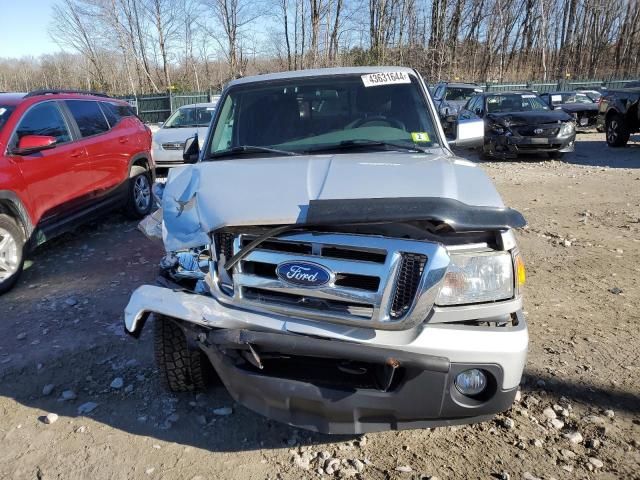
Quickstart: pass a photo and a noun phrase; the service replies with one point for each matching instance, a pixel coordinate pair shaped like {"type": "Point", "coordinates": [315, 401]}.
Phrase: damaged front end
{"type": "Point", "coordinates": [346, 315]}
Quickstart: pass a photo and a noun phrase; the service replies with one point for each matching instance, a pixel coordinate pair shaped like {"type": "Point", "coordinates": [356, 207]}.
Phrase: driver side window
{"type": "Point", "coordinates": [43, 119]}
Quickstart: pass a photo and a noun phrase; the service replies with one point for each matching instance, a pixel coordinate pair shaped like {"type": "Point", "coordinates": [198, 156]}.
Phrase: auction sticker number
{"type": "Point", "coordinates": [385, 78]}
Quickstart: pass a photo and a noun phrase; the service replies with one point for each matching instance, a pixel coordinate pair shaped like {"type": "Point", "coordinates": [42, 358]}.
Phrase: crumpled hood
{"type": "Point", "coordinates": [166, 135]}
{"type": "Point", "coordinates": [513, 119]}
{"type": "Point", "coordinates": [209, 195]}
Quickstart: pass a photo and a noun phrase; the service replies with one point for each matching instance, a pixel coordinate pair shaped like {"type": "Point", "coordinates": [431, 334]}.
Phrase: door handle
{"type": "Point", "coordinates": [123, 140]}
{"type": "Point", "coordinates": [76, 153]}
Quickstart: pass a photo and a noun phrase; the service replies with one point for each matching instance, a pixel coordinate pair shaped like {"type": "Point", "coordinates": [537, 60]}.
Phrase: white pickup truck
{"type": "Point", "coordinates": [334, 263]}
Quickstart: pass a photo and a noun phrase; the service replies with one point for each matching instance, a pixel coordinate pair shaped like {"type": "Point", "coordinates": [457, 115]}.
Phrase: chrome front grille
{"type": "Point", "coordinates": [377, 282]}
{"type": "Point", "coordinates": [173, 146]}
{"type": "Point", "coordinates": [546, 131]}
{"type": "Point", "coordinates": [409, 275]}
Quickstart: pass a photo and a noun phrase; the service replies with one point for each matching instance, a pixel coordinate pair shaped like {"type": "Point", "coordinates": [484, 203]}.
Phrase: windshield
{"type": "Point", "coordinates": [460, 93]}
{"type": "Point", "coordinates": [515, 102]}
{"type": "Point", "coordinates": [570, 98]}
{"type": "Point", "coordinates": [593, 95]}
{"type": "Point", "coordinates": [5, 113]}
{"type": "Point", "coordinates": [190, 117]}
{"type": "Point", "coordinates": [304, 115]}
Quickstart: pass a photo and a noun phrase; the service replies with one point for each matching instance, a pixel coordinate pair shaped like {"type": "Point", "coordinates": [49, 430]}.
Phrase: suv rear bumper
{"type": "Point", "coordinates": [298, 390]}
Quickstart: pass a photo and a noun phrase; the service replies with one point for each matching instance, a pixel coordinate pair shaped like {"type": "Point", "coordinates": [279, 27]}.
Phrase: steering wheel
{"type": "Point", "coordinates": [378, 118]}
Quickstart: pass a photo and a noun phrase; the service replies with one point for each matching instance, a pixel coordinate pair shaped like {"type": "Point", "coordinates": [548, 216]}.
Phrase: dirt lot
{"type": "Point", "coordinates": [61, 337]}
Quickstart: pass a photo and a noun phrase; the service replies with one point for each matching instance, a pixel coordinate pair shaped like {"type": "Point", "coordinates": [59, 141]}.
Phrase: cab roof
{"type": "Point", "coordinates": [318, 72]}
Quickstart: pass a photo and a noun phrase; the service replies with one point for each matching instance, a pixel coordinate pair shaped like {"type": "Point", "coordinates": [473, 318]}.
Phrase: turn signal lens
{"type": "Point", "coordinates": [521, 275]}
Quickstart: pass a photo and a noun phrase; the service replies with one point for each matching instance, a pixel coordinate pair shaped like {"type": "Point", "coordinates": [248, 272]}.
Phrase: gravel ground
{"type": "Point", "coordinates": [79, 399]}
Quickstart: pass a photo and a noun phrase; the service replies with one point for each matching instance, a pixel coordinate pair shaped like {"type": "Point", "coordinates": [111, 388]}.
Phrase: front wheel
{"type": "Point", "coordinates": [617, 132]}
{"type": "Point", "coordinates": [139, 200]}
{"type": "Point", "coordinates": [182, 369]}
{"type": "Point", "coordinates": [11, 252]}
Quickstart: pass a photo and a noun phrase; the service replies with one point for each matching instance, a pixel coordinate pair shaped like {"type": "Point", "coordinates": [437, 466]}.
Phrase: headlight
{"type": "Point", "coordinates": [478, 277]}
{"type": "Point", "coordinates": [567, 128]}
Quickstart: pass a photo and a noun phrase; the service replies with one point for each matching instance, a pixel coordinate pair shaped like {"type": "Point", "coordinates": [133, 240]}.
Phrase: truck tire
{"type": "Point", "coordinates": [12, 243]}
{"type": "Point", "coordinates": [139, 199]}
{"type": "Point", "coordinates": [616, 131]}
{"type": "Point", "coordinates": [182, 369]}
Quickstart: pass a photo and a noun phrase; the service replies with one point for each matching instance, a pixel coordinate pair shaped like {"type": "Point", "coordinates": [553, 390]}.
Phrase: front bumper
{"type": "Point", "coordinates": [329, 400]}
{"type": "Point", "coordinates": [303, 392]}
{"type": "Point", "coordinates": [166, 158]}
{"type": "Point", "coordinates": [513, 145]}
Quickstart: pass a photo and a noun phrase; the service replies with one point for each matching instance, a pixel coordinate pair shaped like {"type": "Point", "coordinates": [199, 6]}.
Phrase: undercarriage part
{"type": "Point", "coordinates": [308, 346]}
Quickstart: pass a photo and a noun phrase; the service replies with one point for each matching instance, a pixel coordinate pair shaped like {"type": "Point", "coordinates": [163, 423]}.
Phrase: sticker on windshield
{"type": "Point", "coordinates": [385, 78]}
{"type": "Point", "coordinates": [418, 137]}
{"type": "Point", "coordinates": [556, 98]}
{"type": "Point", "coordinates": [528, 96]}
{"type": "Point", "coordinates": [2, 110]}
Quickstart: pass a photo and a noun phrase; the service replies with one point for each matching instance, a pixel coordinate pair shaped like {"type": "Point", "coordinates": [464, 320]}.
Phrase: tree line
{"type": "Point", "coordinates": [147, 46]}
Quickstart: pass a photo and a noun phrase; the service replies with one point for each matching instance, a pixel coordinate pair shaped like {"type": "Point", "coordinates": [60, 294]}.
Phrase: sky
{"type": "Point", "coordinates": [24, 28]}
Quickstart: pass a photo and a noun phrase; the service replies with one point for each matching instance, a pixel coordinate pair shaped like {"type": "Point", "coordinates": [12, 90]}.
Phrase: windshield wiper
{"type": "Point", "coordinates": [363, 143]}
{"type": "Point", "coordinates": [250, 149]}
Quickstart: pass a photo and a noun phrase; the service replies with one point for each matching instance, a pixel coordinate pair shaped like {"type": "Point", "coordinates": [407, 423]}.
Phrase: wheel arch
{"type": "Point", "coordinates": [140, 160]}
{"type": "Point", "coordinates": [10, 204]}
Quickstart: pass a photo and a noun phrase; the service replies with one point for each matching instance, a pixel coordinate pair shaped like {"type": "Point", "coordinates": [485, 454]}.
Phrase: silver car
{"type": "Point", "coordinates": [184, 123]}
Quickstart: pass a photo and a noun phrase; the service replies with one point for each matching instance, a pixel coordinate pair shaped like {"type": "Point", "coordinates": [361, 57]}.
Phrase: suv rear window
{"type": "Point", "coordinates": [116, 112]}
{"type": "Point", "coordinates": [88, 116]}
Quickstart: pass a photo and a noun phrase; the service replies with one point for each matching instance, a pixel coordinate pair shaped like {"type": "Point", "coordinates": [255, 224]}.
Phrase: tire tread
{"type": "Point", "coordinates": [182, 369]}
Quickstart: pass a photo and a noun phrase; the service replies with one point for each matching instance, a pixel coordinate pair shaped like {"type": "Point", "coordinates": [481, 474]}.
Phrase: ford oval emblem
{"type": "Point", "coordinates": [303, 274]}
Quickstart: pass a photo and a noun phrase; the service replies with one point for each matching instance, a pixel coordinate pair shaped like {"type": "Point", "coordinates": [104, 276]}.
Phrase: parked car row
{"type": "Point", "coordinates": [518, 122]}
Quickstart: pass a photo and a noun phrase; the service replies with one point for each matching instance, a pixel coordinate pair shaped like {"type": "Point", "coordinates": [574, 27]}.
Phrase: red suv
{"type": "Point", "coordinates": [66, 157]}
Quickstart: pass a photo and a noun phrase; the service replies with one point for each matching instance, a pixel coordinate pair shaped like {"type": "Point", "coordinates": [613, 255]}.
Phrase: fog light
{"type": "Point", "coordinates": [471, 382]}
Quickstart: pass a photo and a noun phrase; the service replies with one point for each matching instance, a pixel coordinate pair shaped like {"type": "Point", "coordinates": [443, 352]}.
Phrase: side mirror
{"type": "Point", "coordinates": [451, 118]}
{"type": "Point", "coordinates": [34, 143]}
{"type": "Point", "coordinates": [478, 112]}
{"type": "Point", "coordinates": [160, 124]}
{"type": "Point", "coordinates": [469, 133]}
{"type": "Point", "coordinates": [191, 150]}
